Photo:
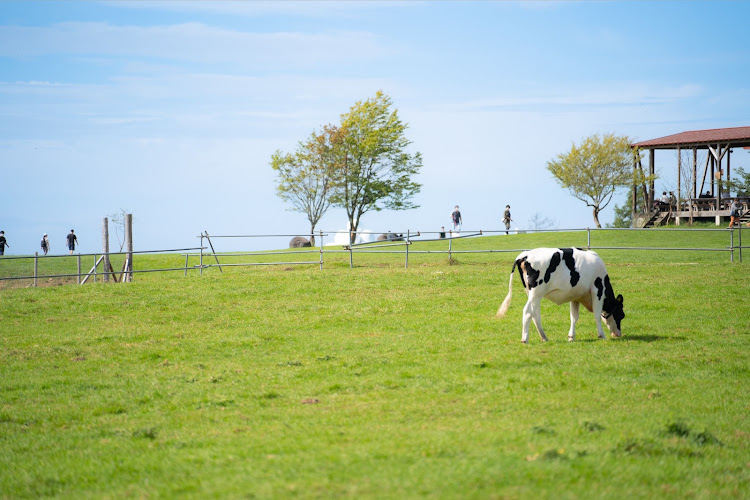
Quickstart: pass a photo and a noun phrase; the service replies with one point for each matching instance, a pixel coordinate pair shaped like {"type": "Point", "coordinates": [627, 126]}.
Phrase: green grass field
{"type": "Point", "coordinates": [380, 381]}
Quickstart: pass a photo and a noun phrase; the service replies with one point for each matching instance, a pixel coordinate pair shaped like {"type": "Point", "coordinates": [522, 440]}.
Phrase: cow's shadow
{"type": "Point", "coordinates": [647, 338]}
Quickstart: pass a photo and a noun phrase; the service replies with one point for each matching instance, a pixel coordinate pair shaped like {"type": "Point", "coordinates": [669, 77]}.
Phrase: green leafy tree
{"type": "Point", "coordinates": [376, 170]}
{"type": "Point", "coordinates": [740, 183]}
{"type": "Point", "coordinates": [595, 169]}
{"type": "Point", "coordinates": [306, 178]}
{"type": "Point", "coordinates": [623, 216]}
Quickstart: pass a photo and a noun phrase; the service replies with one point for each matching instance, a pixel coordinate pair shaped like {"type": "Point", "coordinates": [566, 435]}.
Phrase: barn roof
{"type": "Point", "coordinates": [735, 136]}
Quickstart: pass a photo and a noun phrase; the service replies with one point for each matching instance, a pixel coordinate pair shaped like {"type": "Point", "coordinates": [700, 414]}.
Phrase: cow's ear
{"type": "Point", "coordinates": [619, 298]}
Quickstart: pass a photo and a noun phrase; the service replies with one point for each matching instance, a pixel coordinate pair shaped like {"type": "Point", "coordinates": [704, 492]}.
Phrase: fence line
{"type": "Point", "coordinates": [99, 257]}
{"type": "Point", "coordinates": [402, 242]}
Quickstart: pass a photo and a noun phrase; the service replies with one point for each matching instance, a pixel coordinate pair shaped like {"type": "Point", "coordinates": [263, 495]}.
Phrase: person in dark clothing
{"type": "Point", "coordinates": [3, 243]}
{"type": "Point", "coordinates": [45, 244]}
{"type": "Point", "coordinates": [457, 220]}
{"type": "Point", "coordinates": [506, 218]}
{"type": "Point", "coordinates": [72, 240]}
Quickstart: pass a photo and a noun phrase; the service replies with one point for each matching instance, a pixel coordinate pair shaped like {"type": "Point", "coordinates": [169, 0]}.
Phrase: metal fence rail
{"type": "Point", "coordinates": [732, 246]}
{"type": "Point", "coordinates": [60, 266]}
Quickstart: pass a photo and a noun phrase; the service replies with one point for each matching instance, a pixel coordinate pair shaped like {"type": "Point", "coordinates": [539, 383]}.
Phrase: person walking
{"type": "Point", "coordinates": [72, 240]}
{"type": "Point", "coordinates": [506, 218]}
{"type": "Point", "coordinates": [45, 244]}
{"type": "Point", "coordinates": [457, 220]}
{"type": "Point", "coordinates": [734, 212]}
{"type": "Point", "coordinates": [3, 243]}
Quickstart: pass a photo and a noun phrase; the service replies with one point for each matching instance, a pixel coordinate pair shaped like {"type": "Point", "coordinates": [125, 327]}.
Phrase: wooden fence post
{"type": "Point", "coordinates": [129, 244]}
{"type": "Point", "coordinates": [105, 248]}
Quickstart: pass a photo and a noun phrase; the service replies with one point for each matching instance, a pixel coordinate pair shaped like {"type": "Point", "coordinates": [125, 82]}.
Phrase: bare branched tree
{"type": "Point", "coordinates": [118, 219]}
{"type": "Point", "coordinates": [539, 221]}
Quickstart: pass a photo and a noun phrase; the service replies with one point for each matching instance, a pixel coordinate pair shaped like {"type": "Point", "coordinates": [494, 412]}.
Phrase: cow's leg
{"type": "Point", "coordinates": [527, 312]}
{"type": "Point", "coordinates": [574, 307]}
{"type": "Point", "coordinates": [597, 305]}
{"type": "Point", "coordinates": [533, 311]}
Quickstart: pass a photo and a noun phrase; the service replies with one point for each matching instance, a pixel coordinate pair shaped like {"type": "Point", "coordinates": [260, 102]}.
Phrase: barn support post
{"type": "Point", "coordinates": [713, 172]}
{"type": "Point", "coordinates": [105, 248]}
{"type": "Point", "coordinates": [695, 172]}
{"type": "Point", "coordinates": [729, 172]}
{"type": "Point", "coordinates": [718, 177]}
{"type": "Point", "coordinates": [679, 185]}
{"type": "Point", "coordinates": [129, 245]}
{"type": "Point", "coordinates": [651, 173]}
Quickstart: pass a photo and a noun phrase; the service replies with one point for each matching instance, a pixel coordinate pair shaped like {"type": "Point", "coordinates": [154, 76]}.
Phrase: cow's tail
{"type": "Point", "coordinates": [506, 303]}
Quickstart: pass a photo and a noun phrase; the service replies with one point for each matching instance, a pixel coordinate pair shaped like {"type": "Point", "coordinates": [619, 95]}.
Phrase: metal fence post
{"type": "Point", "coordinates": [186, 262]}
{"type": "Point", "coordinates": [36, 266]}
{"type": "Point", "coordinates": [320, 242]}
{"type": "Point", "coordinates": [731, 244]}
{"type": "Point", "coordinates": [351, 251]}
{"type": "Point", "coordinates": [79, 268]}
{"type": "Point", "coordinates": [450, 244]}
{"type": "Point", "coordinates": [95, 267]}
{"type": "Point", "coordinates": [407, 249]}
{"type": "Point", "coordinates": [740, 237]}
{"type": "Point", "coordinates": [588, 240]}
{"type": "Point", "coordinates": [201, 263]}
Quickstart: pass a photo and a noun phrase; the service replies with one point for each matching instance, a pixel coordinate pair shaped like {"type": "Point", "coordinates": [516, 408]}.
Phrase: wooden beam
{"type": "Point", "coordinates": [705, 171]}
{"type": "Point", "coordinates": [695, 172]}
{"type": "Point", "coordinates": [651, 173]}
{"type": "Point", "coordinates": [679, 174]}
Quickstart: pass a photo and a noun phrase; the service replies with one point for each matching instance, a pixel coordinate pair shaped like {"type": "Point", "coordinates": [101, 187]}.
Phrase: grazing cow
{"type": "Point", "coordinates": [390, 237]}
{"type": "Point", "coordinates": [299, 242]}
{"type": "Point", "coordinates": [565, 275]}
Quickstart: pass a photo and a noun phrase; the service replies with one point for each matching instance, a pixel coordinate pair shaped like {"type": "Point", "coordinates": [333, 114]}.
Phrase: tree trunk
{"type": "Point", "coordinates": [596, 217]}
{"type": "Point", "coordinates": [353, 226]}
{"type": "Point", "coordinates": [312, 235]}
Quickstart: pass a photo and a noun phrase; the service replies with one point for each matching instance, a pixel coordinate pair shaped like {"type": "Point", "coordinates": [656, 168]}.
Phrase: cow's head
{"type": "Point", "coordinates": [613, 315]}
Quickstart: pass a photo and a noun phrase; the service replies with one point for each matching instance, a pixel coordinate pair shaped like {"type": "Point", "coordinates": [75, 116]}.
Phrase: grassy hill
{"type": "Point", "coordinates": [380, 381]}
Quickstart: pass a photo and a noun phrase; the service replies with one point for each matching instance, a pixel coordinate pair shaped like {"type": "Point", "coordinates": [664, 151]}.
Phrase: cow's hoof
{"type": "Point", "coordinates": [524, 341]}
{"type": "Point", "coordinates": [571, 339]}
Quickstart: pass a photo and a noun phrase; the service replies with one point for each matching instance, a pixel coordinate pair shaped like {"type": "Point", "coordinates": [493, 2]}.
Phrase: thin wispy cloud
{"type": "Point", "coordinates": [195, 42]}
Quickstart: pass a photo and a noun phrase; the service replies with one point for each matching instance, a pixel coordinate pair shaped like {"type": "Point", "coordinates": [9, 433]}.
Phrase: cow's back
{"type": "Point", "coordinates": [560, 274]}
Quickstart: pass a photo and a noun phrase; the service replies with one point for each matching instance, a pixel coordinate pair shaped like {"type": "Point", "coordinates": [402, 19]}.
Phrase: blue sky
{"type": "Point", "coordinates": [172, 110]}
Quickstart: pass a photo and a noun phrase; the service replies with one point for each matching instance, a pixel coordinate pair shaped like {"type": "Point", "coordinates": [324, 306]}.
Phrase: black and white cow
{"type": "Point", "coordinates": [565, 275]}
